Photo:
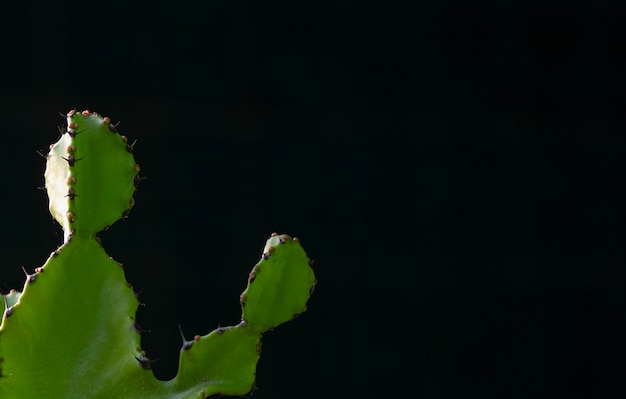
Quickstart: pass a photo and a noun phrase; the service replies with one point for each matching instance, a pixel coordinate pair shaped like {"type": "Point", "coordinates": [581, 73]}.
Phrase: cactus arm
{"type": "Point", "coordinates": [71, 332]}
{"type": "Point", "coordinates": [278, 288]}
{"type": "Point", "coordinates": [90, 175]}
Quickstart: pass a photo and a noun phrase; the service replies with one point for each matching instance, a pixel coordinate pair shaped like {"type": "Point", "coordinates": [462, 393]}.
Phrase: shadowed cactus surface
{"type": "Point", "coordinates": [71, 332]}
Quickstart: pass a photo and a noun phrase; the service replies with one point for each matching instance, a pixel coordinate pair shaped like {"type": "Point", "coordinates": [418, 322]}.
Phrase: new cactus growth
{"type": "Point", "coordinates": [71, 332]}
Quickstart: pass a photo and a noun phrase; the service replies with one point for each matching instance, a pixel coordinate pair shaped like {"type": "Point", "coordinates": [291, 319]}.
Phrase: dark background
{"type": "Point", "coordinates": [453, 168]}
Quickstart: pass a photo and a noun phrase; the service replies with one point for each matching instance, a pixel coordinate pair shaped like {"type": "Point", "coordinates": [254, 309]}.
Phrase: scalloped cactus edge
{"type": "Point", "coordinates": [71, 332]}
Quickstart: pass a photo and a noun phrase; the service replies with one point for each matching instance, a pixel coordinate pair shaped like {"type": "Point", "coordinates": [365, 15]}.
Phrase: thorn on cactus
{"type": "Point", "coordinates": [186, 344]}
{"type": "Point", "coordinates": [30, 278]}
{"type": "Point", "coordinates": [268, 254]}
{"type": "Point", "coordinates": [71, 194]}
{"type": "Point", "coordinates": [71, 160]}
{"type": "Point", "coordinates": [137, 179]}
{"type": "Point", "coordinates": [113, 126]}
{"type": "Point", "coordinates": [144, 362]}
{"type": "Point", "coordinates": [139, 329]}
{"type": "Point", "coordinates": [131, 147]}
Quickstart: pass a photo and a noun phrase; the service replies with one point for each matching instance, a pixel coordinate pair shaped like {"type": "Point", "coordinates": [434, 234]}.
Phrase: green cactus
{"type": "Point", "coordinates": [71, 332]}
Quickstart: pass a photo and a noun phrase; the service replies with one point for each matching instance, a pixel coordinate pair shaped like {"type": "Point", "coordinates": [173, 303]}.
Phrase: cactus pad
{"type": "Point", "coordinates": [71, 332]}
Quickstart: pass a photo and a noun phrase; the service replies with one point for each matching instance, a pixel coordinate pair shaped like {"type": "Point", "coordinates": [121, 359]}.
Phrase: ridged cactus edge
{"type": "Point", "coordinates": [71, 331]}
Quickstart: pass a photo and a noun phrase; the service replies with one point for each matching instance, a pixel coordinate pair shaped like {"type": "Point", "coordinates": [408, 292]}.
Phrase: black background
{"type": "Point", "coordinates": [453, 168]}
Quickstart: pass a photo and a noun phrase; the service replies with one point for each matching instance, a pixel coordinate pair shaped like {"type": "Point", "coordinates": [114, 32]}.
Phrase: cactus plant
{"type": "Point", "coordinates": [71, 332]}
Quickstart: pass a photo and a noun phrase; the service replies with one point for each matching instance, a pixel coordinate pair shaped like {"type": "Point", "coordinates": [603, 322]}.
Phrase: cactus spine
{"type": "Point", "coordinates": [71, 332]}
